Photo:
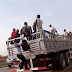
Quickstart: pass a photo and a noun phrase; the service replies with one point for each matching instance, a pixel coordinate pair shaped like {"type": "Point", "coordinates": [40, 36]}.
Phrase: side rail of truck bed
{"type": "Point", "coordinates": [36, 46]}
{"type": "Point", "coordinates": [41, 44]}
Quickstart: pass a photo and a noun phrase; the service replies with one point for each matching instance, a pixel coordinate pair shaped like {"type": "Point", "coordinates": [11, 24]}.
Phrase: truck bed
{"type": "Point", "coordinates": [42, 45]}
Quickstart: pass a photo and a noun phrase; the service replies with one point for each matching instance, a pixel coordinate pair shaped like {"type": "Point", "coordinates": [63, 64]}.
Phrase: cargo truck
{"type": "Point", "coordinates": [44, 50]}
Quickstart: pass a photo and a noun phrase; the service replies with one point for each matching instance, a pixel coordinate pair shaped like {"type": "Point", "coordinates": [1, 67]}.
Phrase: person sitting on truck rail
{"type": "Point", "coordinates": [19, 53]}
{"type": "Point", "coordinates": [52, 31]}
{"type": "Point", "coordinates": [26, 30]}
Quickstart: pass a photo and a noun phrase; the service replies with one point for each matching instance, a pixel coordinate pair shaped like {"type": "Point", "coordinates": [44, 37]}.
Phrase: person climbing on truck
{"type": "Point", "coordinates": [19, 53]}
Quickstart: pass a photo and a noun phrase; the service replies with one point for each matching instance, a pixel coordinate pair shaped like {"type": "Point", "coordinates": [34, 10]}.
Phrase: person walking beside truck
{"type": "Point", "coordinates": [52, 31]}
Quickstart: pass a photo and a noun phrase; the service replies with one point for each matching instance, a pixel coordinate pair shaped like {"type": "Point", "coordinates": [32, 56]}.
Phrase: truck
{"type": "Point", "coordinates": [44, 50]}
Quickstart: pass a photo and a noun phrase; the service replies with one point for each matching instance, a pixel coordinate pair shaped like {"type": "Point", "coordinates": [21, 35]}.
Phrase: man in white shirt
{"type": "Point", "coordinates": [65, 35]}
{"type": "Point", "coordinates": [53, 31]}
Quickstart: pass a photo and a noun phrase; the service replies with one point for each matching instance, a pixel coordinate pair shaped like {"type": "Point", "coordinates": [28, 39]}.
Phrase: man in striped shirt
{"type": "Point", "coordinates": [38, 22]}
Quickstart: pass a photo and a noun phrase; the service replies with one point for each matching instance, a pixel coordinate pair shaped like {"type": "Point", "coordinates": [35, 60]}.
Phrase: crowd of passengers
{"type": "Point", "coordinates": [37, 27]}
{"type": "Point", "coordinates": [27, 31]}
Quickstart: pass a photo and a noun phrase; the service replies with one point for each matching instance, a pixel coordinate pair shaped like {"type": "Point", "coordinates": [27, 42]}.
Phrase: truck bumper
{"type": "Point", "coordinates": [10, 63]}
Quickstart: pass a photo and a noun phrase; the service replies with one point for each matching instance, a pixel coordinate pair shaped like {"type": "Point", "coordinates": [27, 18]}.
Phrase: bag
{"type": "Point", "coordinates": [25, 45]}
{"type": "Point", "coordinates": [25, 32]}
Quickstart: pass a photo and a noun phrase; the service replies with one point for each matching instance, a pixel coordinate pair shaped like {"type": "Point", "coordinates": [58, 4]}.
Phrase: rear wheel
{"type": "Point", "coordinates": [59, 62]}
{"type": "Point", "coordinates": [67, 58]}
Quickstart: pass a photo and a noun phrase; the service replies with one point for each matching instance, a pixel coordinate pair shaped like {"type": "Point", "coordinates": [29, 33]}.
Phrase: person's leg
{"type": "Point", "coordinates": [23, 60]}
{"type": "Point", "coordinates": [21, 64]}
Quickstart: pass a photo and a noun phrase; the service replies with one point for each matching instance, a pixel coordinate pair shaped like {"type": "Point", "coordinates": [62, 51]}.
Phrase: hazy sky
{"type": "Point", "coordinates": [14, 12]}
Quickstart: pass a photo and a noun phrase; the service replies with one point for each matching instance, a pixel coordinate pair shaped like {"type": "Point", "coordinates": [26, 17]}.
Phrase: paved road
{"type": "Point", "coordinates": [49, 70]}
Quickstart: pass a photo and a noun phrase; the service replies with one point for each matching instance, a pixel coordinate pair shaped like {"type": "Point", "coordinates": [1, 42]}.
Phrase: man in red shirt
{"type": "Point", "coordinates": [13, 34]}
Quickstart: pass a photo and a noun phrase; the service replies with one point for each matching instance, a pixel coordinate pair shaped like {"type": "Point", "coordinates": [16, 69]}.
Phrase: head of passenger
{"type": "Point", "coordinates": [17, 30]}
{"type": "Point", "coordinates": [70, 32]}
{"type": "Point", "coordinates": [15, 41]}
{"type": "Point", "coordinates": [13, 29]}
{"type": "Point", "coordinates": [38, 16]}
{"type": "Point", "coordinates": [50, 25]}
{"type": "Point", "coordinates": [64, 30]}
{"type": "Point", "coordinates": [25, 23]}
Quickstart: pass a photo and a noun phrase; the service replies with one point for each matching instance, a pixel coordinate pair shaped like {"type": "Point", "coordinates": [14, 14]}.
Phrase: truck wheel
{"type": "Point", "coordinates": [67, 58]}
{"type": "Point", "coordinates": [59, 62]}
{"type": "Point", "coordinates": [9, 66]}
{"type": "Point", "coordinates": [62, 61]}
{"type": "Point", "coordinates": [53, 59]}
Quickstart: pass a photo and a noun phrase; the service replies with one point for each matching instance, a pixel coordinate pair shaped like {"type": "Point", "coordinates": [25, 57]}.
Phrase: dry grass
{"type": "Point", "coordinates": [3, 61]}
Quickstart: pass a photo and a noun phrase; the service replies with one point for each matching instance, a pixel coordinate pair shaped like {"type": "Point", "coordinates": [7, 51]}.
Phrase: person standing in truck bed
{"type": "Point", "coordinates": [38, 23]}
{"type": "Point", "coordinates": [52, 31]}
{"type": "Point", "coordinates": [26, 30]}
{"type": "Point", "coordinates": [18, 34]}
{"type": "Point", "coordinates": [13, 34]}
{"type": "Point", "coordinates": [37, 26]}
{"type": "Point", "coordinates": [65, 35]}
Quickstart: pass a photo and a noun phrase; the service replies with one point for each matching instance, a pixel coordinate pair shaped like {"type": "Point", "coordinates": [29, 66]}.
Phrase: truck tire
{"type": "Point", "coordinates": [59, 62]}
{"type": "Point", "coordinates": [67, 58]}
{"type": "Point", "coordinates": [54, 60]}
{"type": "Point", "coordinates": [9, 66]}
